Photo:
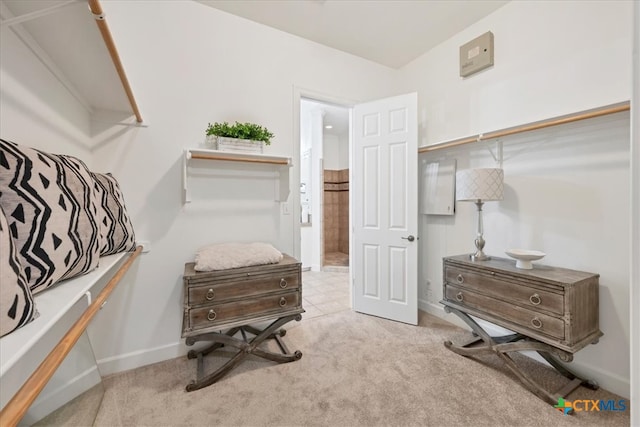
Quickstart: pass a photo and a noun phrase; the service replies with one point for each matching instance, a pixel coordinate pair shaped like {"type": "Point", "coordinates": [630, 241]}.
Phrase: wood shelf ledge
{"type": "Point", "coordinates": [231, 156]}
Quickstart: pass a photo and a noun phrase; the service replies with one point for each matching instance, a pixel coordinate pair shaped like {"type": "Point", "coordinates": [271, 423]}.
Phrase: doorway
{"type": "Point", "coordinates": [383, 217]}
{"type": "Point", "coordinates": [324, 185]}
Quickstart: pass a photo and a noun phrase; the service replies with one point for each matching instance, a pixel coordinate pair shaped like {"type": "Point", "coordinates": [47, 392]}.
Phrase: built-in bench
{"type": "Point", "coordinates": [59, 308]}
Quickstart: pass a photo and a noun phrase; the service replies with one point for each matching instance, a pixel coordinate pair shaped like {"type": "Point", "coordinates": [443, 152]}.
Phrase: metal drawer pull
{"type": "Point", "coordinates": [536, 323]}
{"type": "Point", "coordinates": [210, 295]}
{"type": "Point", "coordinates": [211, 315]}
{"type": "Point", "coordinates": [460, 279]}
{"type": "Point", "coordinates": [283, 302]}
{"type": "Point", "coordinates": [459, 296]}
{"type": "Point", "coordinates": [535, 299]}
{"type": "Point", "coordinates": [283, 283]}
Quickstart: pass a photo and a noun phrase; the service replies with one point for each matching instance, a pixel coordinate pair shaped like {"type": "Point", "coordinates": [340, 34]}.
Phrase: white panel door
{"type": "Point", "coordinates": [385, 208]}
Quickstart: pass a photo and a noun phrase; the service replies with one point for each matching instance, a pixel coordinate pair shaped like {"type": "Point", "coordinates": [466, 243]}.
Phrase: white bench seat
{"type": "Point", "coordinates": [59, 307]}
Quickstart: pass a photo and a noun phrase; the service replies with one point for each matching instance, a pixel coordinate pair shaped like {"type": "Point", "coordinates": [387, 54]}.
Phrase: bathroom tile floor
{"type": "Point", "coordinates": [336, 258]}
{"type": "Point", "coordinates": [324, 292]}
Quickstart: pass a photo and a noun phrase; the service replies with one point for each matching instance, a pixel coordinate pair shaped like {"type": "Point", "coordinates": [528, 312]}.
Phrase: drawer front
{"type": "Point", "coordinates": [218, 314]}
{"type": "Point", "coordinates": [199, 295]}
{"type": "Point", "coordinates": [529, 319]}
{"type": "Point", "coordinates": [498, 287]}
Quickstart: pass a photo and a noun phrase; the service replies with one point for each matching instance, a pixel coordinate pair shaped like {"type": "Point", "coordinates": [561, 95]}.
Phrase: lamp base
{"type": "Point", "coordinates": [479, 256]}
{"type": "Point", "coordinates": [479, 241]}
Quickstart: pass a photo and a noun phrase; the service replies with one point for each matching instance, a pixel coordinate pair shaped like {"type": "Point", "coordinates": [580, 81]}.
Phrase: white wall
{"type": "Point", "coordinates": [551, 58]}
{"type": "Point", "coordinates": [343, 151]}
{"type": "Point", "coordinates": [336, 151]}
{"type": "Point", "coordinates": [311, 125]}
{"type": "Point", "coordinates": [331, 147]}
{"type": "Point", "coordinates": [565, 186]}
{"type": "Point", "coordinates": [36, 110]}
{"type": "Point", "coordinates": [188, 66]}
{"type": "Point", "coordinates": [306, 209]}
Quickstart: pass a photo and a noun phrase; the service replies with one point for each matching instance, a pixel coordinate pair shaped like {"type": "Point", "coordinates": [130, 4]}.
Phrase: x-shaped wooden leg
{"type": "Point", "coordinates": [244, 346]}
{"type": "Point", "coordinates": [503, 345]}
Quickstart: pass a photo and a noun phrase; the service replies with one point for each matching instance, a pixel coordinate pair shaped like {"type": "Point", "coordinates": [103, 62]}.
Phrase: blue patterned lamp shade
{"type": "Point", "coordinates": [480, 184]}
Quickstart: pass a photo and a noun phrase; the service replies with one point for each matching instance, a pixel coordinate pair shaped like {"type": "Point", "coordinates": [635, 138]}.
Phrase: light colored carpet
{"type": "Point", "coordinates": [356, 370]}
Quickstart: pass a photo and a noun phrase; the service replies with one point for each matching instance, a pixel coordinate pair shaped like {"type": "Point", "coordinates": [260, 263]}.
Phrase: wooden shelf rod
{"type": "Point", "coordinates": [96, 10]}
{"type": "Point", "coordinates": [19, 404]}
{"type": "Point", "coordinates": [239, 159]}
{"type": "Point", "coordinates": [583, 115]}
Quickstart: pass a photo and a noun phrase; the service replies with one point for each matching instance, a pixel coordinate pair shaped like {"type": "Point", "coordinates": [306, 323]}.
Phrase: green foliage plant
{"type": "Point", "coordinates": [240, 131]}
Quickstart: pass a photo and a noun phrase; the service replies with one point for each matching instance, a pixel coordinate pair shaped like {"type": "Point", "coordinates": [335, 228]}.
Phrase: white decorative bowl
{"type": "Point", "coordinates": [524, 257]}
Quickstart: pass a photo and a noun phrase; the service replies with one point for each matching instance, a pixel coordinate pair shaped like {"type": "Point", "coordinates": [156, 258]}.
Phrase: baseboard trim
{"type": "Point", "coordinates": [611, 382]}
{"type": "Point", "coordinates": [52, 399]}
{"type": "Point", "coordinates": [437, 310]}
{"type": "Point", "coordinates": [136, 359]}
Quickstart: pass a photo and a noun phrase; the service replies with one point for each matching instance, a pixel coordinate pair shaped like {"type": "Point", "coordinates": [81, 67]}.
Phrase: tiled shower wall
{"type": "Point", "coordinates": [336, 211]}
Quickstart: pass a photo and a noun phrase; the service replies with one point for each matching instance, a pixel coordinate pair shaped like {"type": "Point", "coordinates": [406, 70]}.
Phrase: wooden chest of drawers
{"type": "Point", "coordinates": [216, 300]}
{"type": "Point", "coordinates": [553, 305]}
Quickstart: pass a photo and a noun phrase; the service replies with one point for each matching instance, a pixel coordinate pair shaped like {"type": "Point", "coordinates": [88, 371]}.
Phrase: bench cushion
{"type": "Point", "coordinates": [50, 205]}
{"type": "Point", "coordinates": [223, 256]}
{"type": "Point", "coordinates": [16, 301]}
{"type": "Point", "coordinates": [116, 229]}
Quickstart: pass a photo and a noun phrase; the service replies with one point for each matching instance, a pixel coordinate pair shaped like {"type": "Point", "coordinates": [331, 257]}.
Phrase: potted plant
{"type": "Point", "coordinates": [238, 137]}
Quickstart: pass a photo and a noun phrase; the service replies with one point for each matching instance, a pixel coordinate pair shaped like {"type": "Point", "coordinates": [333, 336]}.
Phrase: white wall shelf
{"type": "Point", "coordinates": [281, 166]}
{"type": "Point", "coordinates": [554, 121]}
{"type": "Point", "coordinates": [78, 57]}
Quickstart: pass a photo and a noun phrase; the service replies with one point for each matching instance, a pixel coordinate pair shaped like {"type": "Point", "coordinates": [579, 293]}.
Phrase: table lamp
{"type": "Point", "coordinates": [479, 186]}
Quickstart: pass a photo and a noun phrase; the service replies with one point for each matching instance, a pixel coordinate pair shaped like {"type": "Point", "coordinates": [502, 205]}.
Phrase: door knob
{"type": "Point", "coordinates": [410, 238]}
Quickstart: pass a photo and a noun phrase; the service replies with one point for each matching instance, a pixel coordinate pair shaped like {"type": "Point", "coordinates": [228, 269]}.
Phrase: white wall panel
{"type": "Point", "coordinates": [371, 270]}
{"type": "Point", "coordinates": [397, 274]}
{"type": "Point", "coordinates": [371, 125]}
{"type": "Point", "coordinates": [398, 120]}
{"type": "Point", "coordinates": [398, 186]}
{"type": "Point", "coordinates": [36, 110]}
{"type": "Point", "coordinates": [371, 190]}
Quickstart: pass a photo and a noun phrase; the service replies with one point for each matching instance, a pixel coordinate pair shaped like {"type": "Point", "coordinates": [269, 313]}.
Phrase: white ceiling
{"type": "Point", "coordinates": [335, 116]}
{"type": "Point", "coordinates": [389, 32]}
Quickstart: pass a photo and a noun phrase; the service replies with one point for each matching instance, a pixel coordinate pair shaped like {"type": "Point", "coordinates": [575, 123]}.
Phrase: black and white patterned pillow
{"type": "Point", "coordinates": [17, 307]}
{"type": "Point", "coordinates": [51, 207]}
{"type": "Point", "coordinates": [116, 229]}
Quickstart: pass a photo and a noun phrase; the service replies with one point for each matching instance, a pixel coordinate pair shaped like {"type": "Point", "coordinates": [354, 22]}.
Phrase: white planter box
{"type": "Point", "coordinates": [233, 144]}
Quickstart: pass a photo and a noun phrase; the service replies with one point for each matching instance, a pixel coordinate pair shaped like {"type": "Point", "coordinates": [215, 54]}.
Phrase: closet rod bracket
{"type": "Point", "coordinates": [97, 16]}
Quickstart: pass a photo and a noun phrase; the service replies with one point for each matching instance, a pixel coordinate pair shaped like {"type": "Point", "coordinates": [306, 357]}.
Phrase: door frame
{"type": "Point", "coordinates": [298, 94]}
